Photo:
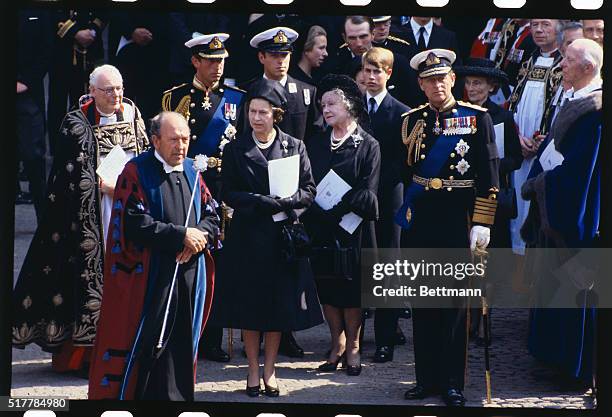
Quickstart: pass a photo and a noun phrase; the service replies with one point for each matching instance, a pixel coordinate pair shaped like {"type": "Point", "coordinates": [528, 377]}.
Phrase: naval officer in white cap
{"type": "Point", "coordinates": [450, 199]}
{"type": "Point", "coordinates": [212, 109]}
{"type": "Point", "coordinates": [275, 46]}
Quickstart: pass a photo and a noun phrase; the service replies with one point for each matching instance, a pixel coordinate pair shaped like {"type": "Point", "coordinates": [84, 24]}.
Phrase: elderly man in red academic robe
{"type": "Point", "coordinates": [153, 229]}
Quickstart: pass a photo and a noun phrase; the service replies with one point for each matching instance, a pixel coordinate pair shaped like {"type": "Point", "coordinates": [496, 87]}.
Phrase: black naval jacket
{"type": "Point", "coordinates": [397, 46]}
{"type": "Point", "coordinates": [440, 214]}
{"type": "Point", "coordinates": [188, 100]}
{"type": "Point", "coordinates": [302, 118]}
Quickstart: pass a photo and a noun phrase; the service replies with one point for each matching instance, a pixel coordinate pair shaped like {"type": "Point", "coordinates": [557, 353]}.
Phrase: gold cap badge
{"type": "Point", "coordinates": [432, 59]}
{"type": "Point", "coordinates": [280, 37]}
{"type": "Point", "coordinates": [215, 43]}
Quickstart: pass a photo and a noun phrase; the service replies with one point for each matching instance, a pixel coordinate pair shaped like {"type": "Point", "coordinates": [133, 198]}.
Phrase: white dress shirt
{"type": "Point", "coordinates": [378, 98]}
{"type": "Point", "coordinates": [167, 168]}
{"type": "Point", "coordinates": [428, 28]}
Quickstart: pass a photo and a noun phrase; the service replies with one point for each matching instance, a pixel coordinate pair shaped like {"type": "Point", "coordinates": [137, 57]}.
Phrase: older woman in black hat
{"type": "Point", "coordinates": [482, 79]}
{"type": "Point", "coordinates": [354, 155]}
{"type": "Point", "coordinates": [257, 289]}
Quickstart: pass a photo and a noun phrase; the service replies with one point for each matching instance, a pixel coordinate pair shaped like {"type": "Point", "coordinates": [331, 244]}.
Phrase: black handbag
{"type": "Point", "coordinates": [333, 262]}
{"type": "Point", "coordinates": [295, 242]}
{"type": "Point", "coordinates": [506, 203]}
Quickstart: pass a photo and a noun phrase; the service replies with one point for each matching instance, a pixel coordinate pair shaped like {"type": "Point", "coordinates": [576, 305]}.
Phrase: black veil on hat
{"type": "Point", "coordinates": [352, 92]}
{"type": "Point", "coordinates": [481, 67]}
{"type": "Point", "coordinates": [269, 90]}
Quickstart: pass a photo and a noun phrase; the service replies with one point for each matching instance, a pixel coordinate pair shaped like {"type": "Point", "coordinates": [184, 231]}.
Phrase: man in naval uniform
{"type": "Point", "coordinates": [382, 38]}
{"type": "Point", "coordinates": [451, 184]}
{"type": "Point", "coordinates": [303, 118]}
{"type": "Point", "coordinates": [211, 108]}
{"type": "Point", "coordinates": [57, 296]}
{"type": "Point", "coordinates": [531, 102]}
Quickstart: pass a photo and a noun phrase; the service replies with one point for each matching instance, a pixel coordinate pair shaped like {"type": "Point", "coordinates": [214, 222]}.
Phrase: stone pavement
{"type": "Point", "coordinates": [517, 379]}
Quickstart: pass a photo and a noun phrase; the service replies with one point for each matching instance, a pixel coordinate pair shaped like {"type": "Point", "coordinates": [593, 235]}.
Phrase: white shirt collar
{"type": "Point", "coordinates": [378, 97]}
{"type": "Point", "coordinates": [282, 81]}
{"type": "Point", "coordinates": [167, 168]}
{"type": "Point", "coordinates": [583, 92]}
{"type": "Point", "coordinates": [106, 119]}
{"type": "Point", "coordinates": [415, 29]}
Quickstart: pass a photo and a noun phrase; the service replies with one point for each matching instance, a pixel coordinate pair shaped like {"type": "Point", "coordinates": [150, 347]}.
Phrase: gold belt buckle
{"type": "Point", "coordinates": [435, 183]}
{"type": "Point", "coordinates": [213, 162]}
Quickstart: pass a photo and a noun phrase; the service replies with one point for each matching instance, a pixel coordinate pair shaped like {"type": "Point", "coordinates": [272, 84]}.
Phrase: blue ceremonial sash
{"type": "Point", "coordinates": [150, 180]}
{"type": "Point", "coordinates": [429, 168]}
{"type": "Point", "coordinates": [200, 282]}
{"type": "Point", "coordinates": [209, 139]}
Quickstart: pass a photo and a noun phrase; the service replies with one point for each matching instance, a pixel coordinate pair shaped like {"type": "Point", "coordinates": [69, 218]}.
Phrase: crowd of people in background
{"type": "Point", "coordinates": [364, 97]}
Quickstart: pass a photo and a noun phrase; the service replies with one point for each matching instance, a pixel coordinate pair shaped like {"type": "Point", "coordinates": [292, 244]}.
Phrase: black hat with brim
{"type": "Point", "coordinates": [481, 67]}
{"type": "Point", "coordinates": [269, 90]}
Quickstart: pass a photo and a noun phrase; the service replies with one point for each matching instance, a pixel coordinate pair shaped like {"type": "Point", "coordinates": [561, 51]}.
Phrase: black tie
{"type": "Point", "coordinates": [372, 102]}
{"type": "Point", "coordinates": [421, 41]}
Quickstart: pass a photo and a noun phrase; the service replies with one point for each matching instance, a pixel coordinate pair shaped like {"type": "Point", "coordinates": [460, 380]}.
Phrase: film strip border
{"type": "Point", "coordinates": [530, 8]}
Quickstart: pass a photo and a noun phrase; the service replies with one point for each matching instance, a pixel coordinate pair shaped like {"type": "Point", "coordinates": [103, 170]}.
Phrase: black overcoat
{"type": "Point", "coordinates": [256, 288]}
{"type": "Point", "coordinates": [356, 161]}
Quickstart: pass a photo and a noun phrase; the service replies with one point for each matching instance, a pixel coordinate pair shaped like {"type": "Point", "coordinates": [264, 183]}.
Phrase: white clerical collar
{"type": "Point", "coordinates": [282, 81]}
{"type": "Point", "coordinates": [167, 168]}
{"type": "Point", "coordinates": [583, 92]}
{"type": "Point", "coordinates": [106, 119]}
{"type": "Point", "coordinates": [378, 97]}
{"type": "Point", "coordinates": [548, 54]}
{"type": "Point", "coordinates": [415, 28]}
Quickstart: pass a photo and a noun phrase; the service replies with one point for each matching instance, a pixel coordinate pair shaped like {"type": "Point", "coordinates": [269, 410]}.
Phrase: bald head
{"type": "Point", "coordinates": [170, 136]}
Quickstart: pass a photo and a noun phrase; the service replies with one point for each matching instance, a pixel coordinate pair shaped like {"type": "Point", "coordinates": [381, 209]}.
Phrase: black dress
{"type": "Point", "coordinates": [255, 288]}
{"type": "Point", "coordinates": [356, 161]}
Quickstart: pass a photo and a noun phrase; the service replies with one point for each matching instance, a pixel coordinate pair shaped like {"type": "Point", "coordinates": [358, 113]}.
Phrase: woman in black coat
{"type": "Point", "coordinates": [354, 155]}
{"type": "Point", "coordinates": [481, 80]}
{"type": "Point", "coordinates": [257, 290]}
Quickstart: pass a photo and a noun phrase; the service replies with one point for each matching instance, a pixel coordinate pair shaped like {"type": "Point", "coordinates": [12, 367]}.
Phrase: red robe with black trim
{"type": "Point", "coordinates": [127, 276]}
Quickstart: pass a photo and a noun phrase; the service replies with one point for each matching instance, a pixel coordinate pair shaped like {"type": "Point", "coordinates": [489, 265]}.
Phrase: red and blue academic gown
{"type": "Point", "coordinates": [564, 214]}
{"type": "Point", "coordinates": [146, 233]}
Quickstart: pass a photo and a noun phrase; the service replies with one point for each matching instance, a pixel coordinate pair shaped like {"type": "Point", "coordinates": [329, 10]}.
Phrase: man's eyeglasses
{"type": "Point", "coordinates": [110, 91]}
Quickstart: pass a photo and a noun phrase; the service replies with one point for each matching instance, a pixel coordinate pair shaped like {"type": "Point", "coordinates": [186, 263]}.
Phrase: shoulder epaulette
{"type": "Point", "coordinates": [175, 87]}
{"type": "Point", "coordinates": [415, 109]}
{"type": "Point", "coordinates": [64, 27]}
{"type": "Point", "coordinates": [400, 40]}
{"type": "Point", "coordinates": [232, 87]}
{"type": "Point", "coordinates": [472, 106]}
{"type": "Point", "coordinates": [344, 45]}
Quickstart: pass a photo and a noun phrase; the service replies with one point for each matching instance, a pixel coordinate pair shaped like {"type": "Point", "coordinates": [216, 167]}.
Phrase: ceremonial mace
{"type": "Point", "coordinates": [200, 164]}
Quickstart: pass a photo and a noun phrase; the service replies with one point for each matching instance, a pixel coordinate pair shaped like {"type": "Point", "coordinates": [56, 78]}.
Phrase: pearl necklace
{"type": "Point", "coordinates": [337, 142]}
{"type": "Point", "coordinates": [263, 145]}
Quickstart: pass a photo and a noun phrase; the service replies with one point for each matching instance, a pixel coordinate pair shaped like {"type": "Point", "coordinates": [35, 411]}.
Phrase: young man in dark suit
{"type": "Point", "coordinates": [358, 35]}
{"type": "Point", "coordinates": [386, 122]}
